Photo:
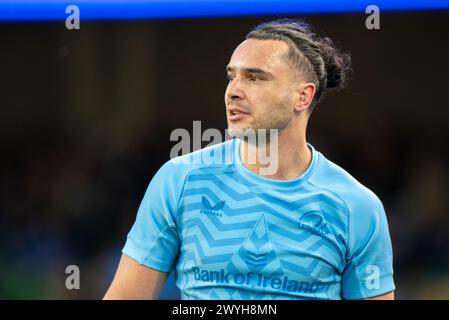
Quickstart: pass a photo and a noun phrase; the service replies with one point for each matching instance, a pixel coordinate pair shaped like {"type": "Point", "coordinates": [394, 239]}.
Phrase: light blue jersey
{"type": "Point", "coordinates": [232, 234]}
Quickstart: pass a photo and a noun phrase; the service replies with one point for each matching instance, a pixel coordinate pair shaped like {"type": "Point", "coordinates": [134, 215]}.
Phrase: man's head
{"type": "Point", "coordinates": [278, 74]}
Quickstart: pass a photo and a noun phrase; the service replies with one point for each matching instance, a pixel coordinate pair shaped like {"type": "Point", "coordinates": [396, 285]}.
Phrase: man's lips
{"type": "Point", "coordinates": [237, 117]}
{"type": "Point", "coordinates": [236, 114]}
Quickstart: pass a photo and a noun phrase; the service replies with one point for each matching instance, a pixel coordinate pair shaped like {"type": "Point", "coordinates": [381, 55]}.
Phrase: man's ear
{"type": "Point", "coordinates": [306, 92]}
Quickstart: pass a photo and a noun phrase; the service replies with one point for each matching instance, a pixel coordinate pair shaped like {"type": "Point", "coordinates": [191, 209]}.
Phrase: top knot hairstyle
{"type": "Point", "coordinates": [316, 58]}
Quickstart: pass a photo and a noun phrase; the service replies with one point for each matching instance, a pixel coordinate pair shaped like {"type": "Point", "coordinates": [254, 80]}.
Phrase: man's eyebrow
{"type": "Point", "coordinates": [254, 71]}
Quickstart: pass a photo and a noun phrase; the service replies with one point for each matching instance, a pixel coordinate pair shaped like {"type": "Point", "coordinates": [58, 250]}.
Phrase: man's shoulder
{"type": "Point", "coordinates": [341, 183]}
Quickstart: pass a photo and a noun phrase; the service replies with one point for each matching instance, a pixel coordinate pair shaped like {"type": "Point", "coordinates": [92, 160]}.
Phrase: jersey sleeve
{"type": "Point", "coordinates": [153, 240]}
{"type": "Point", "coordinates": [369, 265]}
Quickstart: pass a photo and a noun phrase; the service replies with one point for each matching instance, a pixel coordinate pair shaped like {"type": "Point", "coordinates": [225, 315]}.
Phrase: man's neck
{"type": "Point", "coordinates": [293, 156]}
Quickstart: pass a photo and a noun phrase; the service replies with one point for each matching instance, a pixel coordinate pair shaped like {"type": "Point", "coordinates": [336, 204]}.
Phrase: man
{"type": "Point", "coordinates": [308, 230]}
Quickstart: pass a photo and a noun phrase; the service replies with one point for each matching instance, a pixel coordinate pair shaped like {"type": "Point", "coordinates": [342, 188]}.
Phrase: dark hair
{"type": "Point", "coordinates": [316, 58]}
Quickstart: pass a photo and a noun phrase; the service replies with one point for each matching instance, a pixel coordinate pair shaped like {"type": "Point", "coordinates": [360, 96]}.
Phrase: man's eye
{"type": "Point", "coordinates": [230, 78]}
{"type": "Point", "coordinates": [252, 78]}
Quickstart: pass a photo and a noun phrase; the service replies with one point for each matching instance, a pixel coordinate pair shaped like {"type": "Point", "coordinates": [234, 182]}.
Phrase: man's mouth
{"type": "Point", "coordinates": [234, 112]}
{"type": "Point", "coordinates": [236, 115]}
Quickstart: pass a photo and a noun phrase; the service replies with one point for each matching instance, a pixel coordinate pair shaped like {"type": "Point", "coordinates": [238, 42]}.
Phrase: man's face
{"type": "Point", "coordinates": [261, 89]}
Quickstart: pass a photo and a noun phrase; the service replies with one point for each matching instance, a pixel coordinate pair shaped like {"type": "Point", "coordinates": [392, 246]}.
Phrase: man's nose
{"type": "Point", "coordinates": [235, 90]}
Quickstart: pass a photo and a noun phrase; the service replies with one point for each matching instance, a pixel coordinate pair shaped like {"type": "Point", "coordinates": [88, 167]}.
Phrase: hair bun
{"type": "Point", "coordinates": [337, 64]}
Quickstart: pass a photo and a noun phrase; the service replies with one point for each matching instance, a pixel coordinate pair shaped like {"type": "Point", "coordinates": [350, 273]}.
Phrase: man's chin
{"type": "Point", "coordinates": [242, 133]}
{"type": "Point", "coordinates": [237, 132]}
{"type": "Point", "coordinates": [253, 135]}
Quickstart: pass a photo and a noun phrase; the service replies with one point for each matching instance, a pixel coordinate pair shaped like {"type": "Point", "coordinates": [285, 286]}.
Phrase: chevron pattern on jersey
{"type": "Point", "coordinates": [256, 252]}
{"type": "Point", "coordinates": [228, 223]}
